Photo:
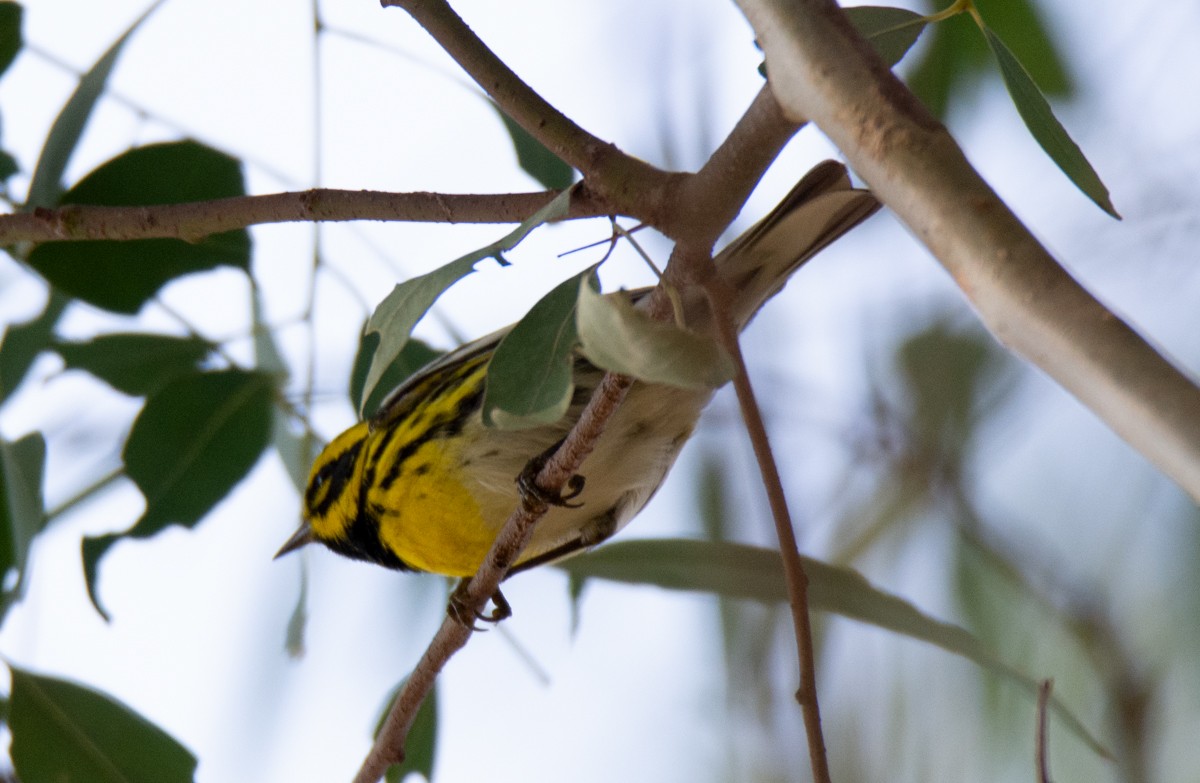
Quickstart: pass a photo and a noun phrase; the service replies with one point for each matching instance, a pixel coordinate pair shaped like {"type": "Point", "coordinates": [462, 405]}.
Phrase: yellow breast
{"type": "Point", "coordinates": [427, 517]}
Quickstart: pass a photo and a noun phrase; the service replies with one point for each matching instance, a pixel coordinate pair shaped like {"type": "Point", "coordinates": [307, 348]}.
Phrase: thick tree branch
{"type": "Point", "coordinates": [194, 221]}
{"type": "Point", "coordinates": [822, 70]}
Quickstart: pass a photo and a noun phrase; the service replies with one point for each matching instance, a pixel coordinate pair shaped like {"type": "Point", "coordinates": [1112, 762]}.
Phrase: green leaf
{"type": "Point", "coordinates": [951, 66]}
{"type": "Point", "coordinates": [23, 342]}
{"type": "Point", "coordinates": [415, 355]}
{"type": "Point", "coordinates": [194, 440]}
{"type": "Point", "coordinates": [10, 34]}
{"type": "Point", "coordinates": [121, 276]}
{"type": "Point", "coordinates": [617, 336]}
{"type": "Point", "coordinates": [535, 158]}
{"type": "Point", "coordinates": [945, 374]}
{"type": "Point", "coordinates": [297, 450]}
{"type": "Point", "coordinates": [529, 378]}
{"type": "Point", "coordinates": [65, 733]}
{"type": "Point", "coordinates": [22, 512]}
{"type": "Point", "coordinates": [46, 184]}
{"type": "Point", "coordinates": [1019, 21]}
{"type": "Point", "coordinates": [891, 31]}
{"type": "Point", "coordinates": [399, 312]}
{"type": "Point", "coordinates": [420, 746]}
{"type": "Point", "coordinates": [1045, 127]}
{"type": "Point", "coordinates": [135, 364]}
{"type": "Point", "coordinates": [740, 571]}
{"type": "Point", "coordinates": [954, 65]}
{"type": "Point", "coordinates": [8, 166]}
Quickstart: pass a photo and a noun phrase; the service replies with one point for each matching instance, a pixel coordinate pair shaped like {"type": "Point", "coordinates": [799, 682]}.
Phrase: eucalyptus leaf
{"type": "Point", "coordinates": [408, 302]}
{"type": "Point", "coordinates": [10, 34]}
{"type": "Point", "coordinates": [1044, 126]}
{"type": "Point", "coordinates": [890, 31]}
{"type": "Point", "coordinates": [22, 509]}
{"type": "Point", "coordinates": [121, 276]}
{"type": "Point", "coordinates": [953, 66]}
{"type": "Point", "coordinates": [529, 378]}
{"type": "Point", "coordinates": [420, 745]}
{"type": "Point", "coordinates": [741, 571]}
{"type": "Point", "coordinates": [135, 364]}
{"type": "Point", "coordinates": [616, 336]}
{"type": "Point", "coordinates": [194, 440]}
{"type": "Point", "coordinates": [66, 733]}
{"type": "Point", "coordinates": [46, 184]}
{"type": "Point", "coordinates": [23, 342]}
{"type": "Point", "coordinates": [534, 157]}
{"type": "Point", "coordinates": [415, 355]}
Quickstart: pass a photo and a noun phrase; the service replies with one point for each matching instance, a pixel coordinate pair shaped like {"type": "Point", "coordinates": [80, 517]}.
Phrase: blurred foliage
{"type": "Point", "coordinates": [953, 63]}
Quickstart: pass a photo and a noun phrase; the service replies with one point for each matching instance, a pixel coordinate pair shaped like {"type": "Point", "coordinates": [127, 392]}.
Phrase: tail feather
{"type": "Point", "coordinates": [819, 209]}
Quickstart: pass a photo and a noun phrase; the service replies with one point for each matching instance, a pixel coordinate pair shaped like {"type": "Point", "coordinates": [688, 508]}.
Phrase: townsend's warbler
{"type": "Point", "coordinates": [424, 485]}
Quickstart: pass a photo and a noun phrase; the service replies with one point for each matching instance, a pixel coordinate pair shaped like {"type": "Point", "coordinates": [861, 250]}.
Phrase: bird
{"type": "Point", "coordinates": [424, 485]}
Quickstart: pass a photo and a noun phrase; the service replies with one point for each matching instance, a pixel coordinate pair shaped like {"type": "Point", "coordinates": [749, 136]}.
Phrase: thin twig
{"type": "Point", "coordinates": [194, 221]}
{"type": "Point", "coordinates": [453, 635]}
{"type": "Point", "coordinates": [793, 566]}
{"type": "Point", "coordinates": [608, 171]}
{"type": "Point", "coordinates": [1043, 750]}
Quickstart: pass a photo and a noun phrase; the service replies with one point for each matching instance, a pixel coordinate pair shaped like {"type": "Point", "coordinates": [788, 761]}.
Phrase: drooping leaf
{"type": "Point", "coordinates": [121, 276]}
{"type": "Point", "coordinates": [741, 571]}
{"type": "Point", "coordinates": [10, 34]}
{"type": "Point", "coordinates": [955, 63]}
{"type": "Point", "coordinates": [194, 440]}
{"type": "Point", "coordinates": [22, 511]}
{"type": "Point", "coordinates": [535, 159]}
{"type": "Point", "coordinates": [1044, 126]}
{"type": "Point", "coordinates": [420, 746]}
{"type": "Point", "coordinates": [46, 184]}
{"type": "Point", "coordinates": [399, 312]}
{"type": "Point", "coordinates": [891, 31]}
{"type": "Point", "coordinates": [65, 733]}
{"type": "Point", "coordinates": [1020, 22]}
{"type": "Point", "coordinates": [23, 342]}
{"type": "Point", "coordinates": [529, 379]}
{"type": "Point", "coordinates": [415, 355]}
{"type": "Point", "coordinates": [135, 364]}
{"type": "Point", "coordinates": [615, 335]}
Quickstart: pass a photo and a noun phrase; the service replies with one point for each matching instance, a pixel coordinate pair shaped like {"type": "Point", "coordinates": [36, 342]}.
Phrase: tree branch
{"type": "Point", "coordinates": [821, 69]}
{"type": "Point", "coordinates": [714, 196]}
{"type": "Point", "coordinates": [789, 550]}
{"type": "Point", "coordinates": [518, 529]}
{"type": "Point", "coordinates": [609, 172]}
{"type": "Point", "coordinates": [194, 221]}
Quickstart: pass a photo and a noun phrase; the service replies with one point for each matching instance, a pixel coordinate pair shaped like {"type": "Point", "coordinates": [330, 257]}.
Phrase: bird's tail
{"type": "Point", "coordinates": [818, 210]}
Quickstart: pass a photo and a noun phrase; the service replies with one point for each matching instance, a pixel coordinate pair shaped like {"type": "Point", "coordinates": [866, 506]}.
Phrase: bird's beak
{"type": "Point", "coordinates": [302, 536]}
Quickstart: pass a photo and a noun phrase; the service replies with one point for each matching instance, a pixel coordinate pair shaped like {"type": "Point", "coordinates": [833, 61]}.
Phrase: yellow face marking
{"type": "Point", "coordinates": [330, 502]}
